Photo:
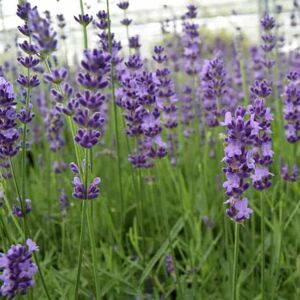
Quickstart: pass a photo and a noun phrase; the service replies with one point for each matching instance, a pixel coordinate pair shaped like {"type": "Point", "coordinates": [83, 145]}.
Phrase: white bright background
{"type": "Point", "coordinates": [146, 15]}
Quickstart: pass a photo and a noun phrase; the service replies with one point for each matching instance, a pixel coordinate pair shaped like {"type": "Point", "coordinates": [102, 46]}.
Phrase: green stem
{"type": "Point", "coordinates": [85, 36]}
{"type": "Point", "coordinates": [235, 261]}
{"type": "Point", "coordinates": [82, 227]}
{"type": "Point", "coordinates": [94, 250]}
{"type": "Point", "coordinates": [116, 122]}
{"type": "Point", "coordinates": [262, 232]}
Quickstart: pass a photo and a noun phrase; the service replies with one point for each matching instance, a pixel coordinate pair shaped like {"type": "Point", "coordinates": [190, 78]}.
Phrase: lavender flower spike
{"type": "Point", "coordinates": [18, 269]}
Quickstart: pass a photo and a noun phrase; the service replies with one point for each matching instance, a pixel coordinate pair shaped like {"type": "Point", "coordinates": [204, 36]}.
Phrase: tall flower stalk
{"type": "Point", "coordinates": [115, 114]}
{"type": "Point", "coordinates": [88, 115]}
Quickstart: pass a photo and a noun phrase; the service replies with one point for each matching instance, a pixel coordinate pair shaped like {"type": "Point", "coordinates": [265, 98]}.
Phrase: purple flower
{"type": "Point", "coordinates": [126, 21]}
{"type": "Point", "coordinates": [291, 107]}
{"type": "Point", "coordinates": [43, 35]}
{"type": "Point", "coordinates": [242, 210]}
{"type": "Point", "coordinates": [102, 20]}
{"type": "Point", "coordinates": [17, 269]}
{"type": "Point", "coordinates": [84, 20]}
{"type": "Point", "coordinates": [63, 202]}
{"type": "Point", "coordinates": [56, 76]}
{"type": "Point", "coordinates": [239, 165]}
{"type": "Point", "coordinates": [192, 11]}
{"type": "Point", "coordinates": [134, 42]}
{"type": "Point", "coordinates": [80, 191]}
{"type": "Point", "coordinates": [8, 115]}
{"type": "Point", "coordinates": [89, 110]}
{"type": "Point", "coordinates": [169, 264]}
{"type": "Point", "coordinates": [123, 5]}
{"type": "Point", "coordinates": [17, 211]}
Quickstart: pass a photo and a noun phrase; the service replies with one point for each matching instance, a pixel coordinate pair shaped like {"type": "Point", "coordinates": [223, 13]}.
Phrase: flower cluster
{"type": "Point", "coordinates": [213, 87]}
{"type": "Point", "coordinates": [138, 97]}
{"type": "Point", "coordinates": [293, 177]}
{"type": "Point", "coordinates": [248, 153]}
{"type": "Point", "coordinates": [18, 269]}
{"type": "Point", "coordinates": [9, 134]}
{"type": "Point", "coordinates": [239, 164]}
{"type": "Point", "coordinates": [89, 103]}
{"type": "Point", "coordinates": [43, 35]}
{"type": "Point", "coordinates": [292, 107]}
{"type": "Point", "coordinates": [268, 39]}
{"type": "Point", "coordinates": [80, 191]}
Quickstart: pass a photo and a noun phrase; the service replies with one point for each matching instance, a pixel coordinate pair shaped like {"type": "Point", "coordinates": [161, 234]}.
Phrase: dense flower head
{"type": "Point", "coordinates": [28, 62]}
{"type": "Point", "coordinates": [88, 108]}
{"type": "Point", "coordinates": [43, 35]}
{"type": "Point", "coordinates": [102, 22]}
{"type": "Point", "coordinates": [61, 23]}
{"type": "Point", "coordinates": [268, 40]}
{"type": "Point", "coordinates": [292, 107]}
{"type": "Point", "coordinates": [192, 11]}
{"type": "Point", "coordinates": [56, 76]}
{"type": "Point", "coordinates": [9, 134]}
{"type": "Point", "coordinates": [261, 89]}
{"type": "Point", "coordinates": [191, 44]}
{"type": "Point", "coordinates": [63, 202]}
{"type": "Point", "coordinates": [123, 5]}
{"type": "Point", "coordinates": [141, 98]}
{"type": "Point", "coordinates": [213, 87]}
{"type": "Point", "coordinates": [134, 42]}
{"type": "Point", "coordinates": [293, 176]}
{"type": "Point", "coordinates": [239, 163]}
{"type": "Point", "coordinates": [23, 10]}
{"type": "Point", "coordinates": [84, 20]}
{"type": "Point", "coordinates": [18, 269]}
{"type": "Point", "coordinates": [267, 22]}
{"type": "Point", "coordinates": [18, 212]}
{"type": "Point", "coordinates": [80, 191]}
{"type": "Point", "coordinates": [54, 126]}
{"type": "Point", "coordinates": [126, 21]}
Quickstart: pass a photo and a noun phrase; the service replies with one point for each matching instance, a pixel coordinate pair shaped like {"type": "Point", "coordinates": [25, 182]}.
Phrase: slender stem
{"type": "Point", "coordinates": [93, 250]}
{"type": "Point", "coordinates": [82, 227]}
{"type": "Point", "coordinates": [235, 261]}
{"type": "Point", "coordinates": [262, 232]}
{"type": "Point", "coordinates": [90, 226]}
{"type": "Point", "coordinates": [116, 120]}
{"type": "Point", "coordinates": [85, 36]}
{"type": "Point", "coordinates": [141, 215]}
{"type": "Point", "coordinates": [25, 227]}
{"type": "Point", "coordinates": [41, 276]}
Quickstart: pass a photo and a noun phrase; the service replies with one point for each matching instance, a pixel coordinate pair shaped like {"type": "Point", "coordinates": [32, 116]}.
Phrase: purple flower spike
{"type": "Point", "coordinates": [291, 107]}
{"type": "Point", "coordinates": [169, 264]}
{"type": "Point", "coordinates": [134, 42]}
{"type": "Point", "coordinates": [74, 168]}
{"type": "Point", "coordinates": [28, 61]}
{"type": "Point", "coordinates": [126, 21]}
{"type": "Point", "coordinates": [93, 190]}
{"type": "Point", "coordinates": [79, 191]}
{"type": "Point", "coordinates": [84, 20]}
{"type": "Point", "coordinates": [267, 22]}
{"type": "Point", "coordinates": [192, 11]}
{"type": "Point", "coordinates": [87, 138]}
{"type": "Point", "coordinates": [102, 20]}
{"type": "Point", "coordinates": [123, 5]}
{"type": "Point", "coordinates": [28, 82]}
{"type": "Point", "coordinates": [242, 210]}
{"type": "Point", "coordinates": [8, 115]}
{"type": "Point", "coordinates": [17, 269]}
{"type": "Point", "coordinates": [17, 211]}
{"type": "Point", "coordinates": [23, 10]}
{"type": "Point", "coordinates": [57, 76]}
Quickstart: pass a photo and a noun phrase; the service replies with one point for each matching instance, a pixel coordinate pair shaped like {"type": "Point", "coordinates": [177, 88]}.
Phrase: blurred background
{"type": "Point", "coordinates": [147, 15]}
